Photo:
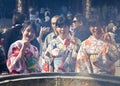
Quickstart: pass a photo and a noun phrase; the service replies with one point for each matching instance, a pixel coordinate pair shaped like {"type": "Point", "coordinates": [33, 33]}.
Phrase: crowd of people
{"type": "Point", "coordinates": [62, 43]}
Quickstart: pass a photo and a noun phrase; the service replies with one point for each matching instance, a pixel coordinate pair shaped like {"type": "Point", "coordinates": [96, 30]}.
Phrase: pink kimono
{"type": "Point", "coordinates": [27, 64]}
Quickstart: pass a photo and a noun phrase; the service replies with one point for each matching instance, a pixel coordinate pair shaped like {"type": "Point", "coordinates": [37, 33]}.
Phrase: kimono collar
{"type": "Point", "coordinates": [101, 38]}
{"type": "Point", "coordinates": [65, 40]}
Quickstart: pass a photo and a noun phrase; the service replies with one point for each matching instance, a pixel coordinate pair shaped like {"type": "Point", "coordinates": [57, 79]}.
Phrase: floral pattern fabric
{"type": "Point", "coordinates": [97, 56]}
{"type": "Point", "coordinates": [62, 54]}
{"type": "Point", "coordinates": [27, 64]}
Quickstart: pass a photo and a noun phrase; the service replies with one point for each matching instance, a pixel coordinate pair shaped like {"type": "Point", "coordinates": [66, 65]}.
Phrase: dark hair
{"type": "Point", "coordinates": [62, 21]}
{"type": "Point", "coordinates": [18, 18]}
{"type": "Point", "coordinates": [95, 23]}
{"type": "Point", "coordinates": [80, 18]}
{"type": "Point", "coordinates": [30, 23]}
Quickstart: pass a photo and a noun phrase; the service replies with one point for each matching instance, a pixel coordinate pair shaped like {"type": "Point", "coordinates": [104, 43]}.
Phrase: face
{"type": "Point", "coordinates": [53, 23]}
{"type": "Point", "coordinates": [75, 23]}
{"type": "Point", "coordinates": [96, 31]}
{"type": "Point", "coordinates": [28, 34]}
{"type": "Point", "coordinates": [63, 31]}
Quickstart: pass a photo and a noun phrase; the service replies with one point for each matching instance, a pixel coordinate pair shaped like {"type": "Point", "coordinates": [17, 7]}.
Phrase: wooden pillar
{"type": "Point", "coordinates": [86, 5]}
{"type": "Point", "coordinates": [20, 6]}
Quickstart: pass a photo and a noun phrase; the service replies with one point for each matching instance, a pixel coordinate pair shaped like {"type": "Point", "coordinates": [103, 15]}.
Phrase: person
{"type": "Point", "coordinates": [80, 27]}
{"type": "Point", "coordinates": [98, 53]}
{"type": "Point", "coordinates": [22, 55]}
{"type": "Point", "coordinates": [70, 16]}
{"type": "Point", "coordinates": [13, 34]}
{"type": "Point", "coordinates": [52, 35]}
{"type": "Point", "coordinates": [3, 68]}
{"type": "Point", "coordinates": [62, 51]}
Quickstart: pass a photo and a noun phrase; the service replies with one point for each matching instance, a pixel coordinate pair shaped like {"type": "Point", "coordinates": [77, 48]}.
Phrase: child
{"type": "Point", "coordinates": [22, 55]}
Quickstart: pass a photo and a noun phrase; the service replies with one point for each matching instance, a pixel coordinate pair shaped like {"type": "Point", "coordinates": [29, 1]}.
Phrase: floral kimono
{"type": "Point", "coordinates": [97, 56]}
{"type": "Point", "coordinates": [27, 64]}
{"type": "Point", "coordinates": [62, 54]}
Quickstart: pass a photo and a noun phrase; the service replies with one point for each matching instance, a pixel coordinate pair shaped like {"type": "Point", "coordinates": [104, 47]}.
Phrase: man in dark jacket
{"type": "Point", "coordinates": [13, 33]}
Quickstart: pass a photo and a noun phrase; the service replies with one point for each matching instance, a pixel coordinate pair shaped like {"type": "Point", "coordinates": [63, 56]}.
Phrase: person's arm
{"type": "Point", "coordinates": [39, 38]}
{"type": "Point", "coordinates": [15, 55]}
{"type": "Point", "coordinates": [42, 31]}
{"type": "Point", "coordinates": [6, 42]}
{"type": "Point", "coordinates": [82, 64]}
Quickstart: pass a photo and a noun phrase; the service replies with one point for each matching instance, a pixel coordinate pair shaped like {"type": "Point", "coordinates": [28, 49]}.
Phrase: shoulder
{"type": "Point", "coordinates": [17, 43]}
{"type": "Point", "coordinates": [50, 35]}
{"type": "Point", "coordinates": [34, 47]}
{"type": "Point", "coordinates": [87, 42]}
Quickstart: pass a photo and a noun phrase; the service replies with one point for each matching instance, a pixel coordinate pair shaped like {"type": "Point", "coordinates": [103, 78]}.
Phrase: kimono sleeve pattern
{"type": "Point", "coordinates": [20, 65]}
{"type": "Point", "coordinates": [97, 56]}
{"type": "Point", "coordinates": [63, 55]}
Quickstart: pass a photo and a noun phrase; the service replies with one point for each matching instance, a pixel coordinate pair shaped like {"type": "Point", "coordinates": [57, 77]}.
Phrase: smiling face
{"type": "Point", "coordinates": [28, 33]}
{"type": "Point", "coordinates": [63, 25]}
{"type": "Point", "coordinates": [96, 31]}
{"type": "Point", "coordinates": [63, 31]}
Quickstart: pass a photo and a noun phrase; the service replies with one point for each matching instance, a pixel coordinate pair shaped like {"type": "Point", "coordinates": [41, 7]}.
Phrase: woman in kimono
{"type": "Point", "coordinates": [98, 53]}
{"type": "Point", "coordinates": [22, 55]}
{"type": "Point", "coordinates": [62, 51]}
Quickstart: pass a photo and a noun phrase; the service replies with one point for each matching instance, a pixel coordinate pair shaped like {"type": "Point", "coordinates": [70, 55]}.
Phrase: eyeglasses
{"type": "Point", "coordinates": [74, 21]}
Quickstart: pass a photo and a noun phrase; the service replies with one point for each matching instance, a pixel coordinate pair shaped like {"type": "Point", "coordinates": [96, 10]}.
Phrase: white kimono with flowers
{"type": "Point", "coordinates": [97, 56]}
{"type": "Point", "coordinates": [63, 54]}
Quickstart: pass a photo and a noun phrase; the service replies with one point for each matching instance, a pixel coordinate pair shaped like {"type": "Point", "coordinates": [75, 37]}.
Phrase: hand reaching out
{"type": "Point", "coordinates": [43, 30]}
{"type": "Point", "coordinates": [106, 35]}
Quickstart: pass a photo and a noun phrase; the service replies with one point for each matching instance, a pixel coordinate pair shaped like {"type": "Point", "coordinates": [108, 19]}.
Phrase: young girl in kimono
{"type": "Point", "coordinates": [62, 51]}
{"type": "Point", "coordinates": [98, 53]}
{"type": "Point", "coordinates": [22, 55]}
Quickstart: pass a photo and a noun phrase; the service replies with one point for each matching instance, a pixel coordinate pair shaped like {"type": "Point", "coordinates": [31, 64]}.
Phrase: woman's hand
{"type": "Point", "coordinates": [43, 30]}
{"type": "Point", "coordinates": [25, 44]}
{"type": "Point", "coordinates": [106, 35]}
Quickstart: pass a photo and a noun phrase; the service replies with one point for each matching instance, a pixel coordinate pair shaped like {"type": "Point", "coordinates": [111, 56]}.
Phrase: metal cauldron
{"type": "Point", "coordinates": [59, 79]}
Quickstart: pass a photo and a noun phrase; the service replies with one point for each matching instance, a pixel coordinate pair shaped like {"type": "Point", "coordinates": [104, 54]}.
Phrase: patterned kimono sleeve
{"type": "Point", "coordinates": [45, 45]}
{"type": "Point", "coordinates": [47, 54]}
{"type": "Point", "coordinates": [12, 57]}
{"type": "Point", "coordinates": [38, 69]}
{"type": "Point", "coordinates": [82, 59]}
